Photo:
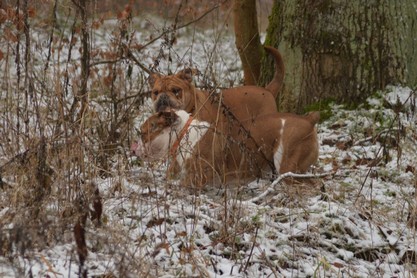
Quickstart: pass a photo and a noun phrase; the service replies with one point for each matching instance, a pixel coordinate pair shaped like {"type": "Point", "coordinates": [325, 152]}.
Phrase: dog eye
{"type": "Point", "coordinates": [155, 93]}
{"type": "Point", "coordinates": [176, 91]}
{"type": "Point", "coordinates": [154, 126]}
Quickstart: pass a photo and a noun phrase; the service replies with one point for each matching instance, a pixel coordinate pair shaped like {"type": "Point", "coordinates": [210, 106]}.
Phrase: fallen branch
{"type": "Point", "coordinates": [374, 138]}
{"type": "Point", "coordinates": [271, 188]}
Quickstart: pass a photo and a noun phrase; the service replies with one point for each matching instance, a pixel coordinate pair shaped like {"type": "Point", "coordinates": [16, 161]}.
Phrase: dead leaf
{"type": "Point", "coordinates": [3, 16]}
{"type": "Point", "coordinates": [182, 234]}
{"type": "Point", "coordinates": [96, 24]}
{"type": "Point", "coordinates": [125, 13]}
{"type": "Point", "coordinates": [159, 247]}
{"type": "Point", "coordinates": [31, 12]}
{"type": "Point", "coordinates": [409, 168]}
{"type": "Point", "coordinates": [155, 222]}
{"type": "Point", "coordinates": [346, 160]}
{"type": "Point", "coordinates": [9, 35]}
{"type": "Point", "coordinates": [328, 141]}
{"type": "Point", "coordinates": [363, 161]}
{"type": "Point", "coordinates": [344, 145]}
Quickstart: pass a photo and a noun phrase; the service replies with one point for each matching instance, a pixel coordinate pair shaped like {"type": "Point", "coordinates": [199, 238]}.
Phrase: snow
{"type": "Point", "coordinates": [356, 227]}
{"type": "Point", "coordinates": [401, 95]}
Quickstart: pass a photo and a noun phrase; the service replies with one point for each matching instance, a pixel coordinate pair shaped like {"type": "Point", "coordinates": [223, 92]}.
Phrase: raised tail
{"type": "Point", "coordinates": [276, 83]}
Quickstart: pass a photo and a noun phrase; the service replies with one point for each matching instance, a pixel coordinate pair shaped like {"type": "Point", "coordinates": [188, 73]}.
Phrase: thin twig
{"type": "Point", "coordinates": [251, 250]}
{"type": "Point", "coordinates": [182, 26]}
{"type": "Point", "coordinates": [391, 127]}
{"type": "Point", "coordinates": [175, 28]}
{"type": "Point", "coordinates": [271, 188]}
{"type": "Point", "coordinates": [370, 138]}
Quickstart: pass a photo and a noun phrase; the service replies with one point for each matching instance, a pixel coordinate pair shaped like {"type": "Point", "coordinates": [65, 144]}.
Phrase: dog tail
{"type": "Point", "coordinates": [313, 117]}
{"type": "Point", "coordinates": [276, 83]}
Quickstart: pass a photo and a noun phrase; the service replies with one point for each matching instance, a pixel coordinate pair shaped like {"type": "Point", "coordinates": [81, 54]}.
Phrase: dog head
{"type": "Point", "coordinates": [172, 91]}
{"type": "Point", "coordinates": [156, 136]}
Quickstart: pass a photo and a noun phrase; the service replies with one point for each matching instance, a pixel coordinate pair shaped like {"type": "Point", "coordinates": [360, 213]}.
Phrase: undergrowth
{"type": "Point", "coordinates": [72, 200]}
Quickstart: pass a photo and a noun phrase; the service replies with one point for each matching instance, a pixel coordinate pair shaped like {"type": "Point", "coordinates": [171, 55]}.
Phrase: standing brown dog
{"type": "Point", "coordinates": [231, 113]}
{"type": "Point", "coordinates": [245, 102]}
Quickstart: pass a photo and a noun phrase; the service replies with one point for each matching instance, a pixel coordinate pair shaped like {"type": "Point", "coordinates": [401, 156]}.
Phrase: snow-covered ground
{"type": "Point", "coordinates": [356, 222]}
{"type": "Point", "coordinates": [359, 220]}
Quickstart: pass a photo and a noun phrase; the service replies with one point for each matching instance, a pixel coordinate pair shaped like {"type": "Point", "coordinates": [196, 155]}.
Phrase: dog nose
{"type": "Point", "coordinates": [162, 103]}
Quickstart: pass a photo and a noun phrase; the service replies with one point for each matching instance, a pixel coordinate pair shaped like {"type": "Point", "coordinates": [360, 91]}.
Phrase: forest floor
{"type": "Point", "coordinates": [356, 218]}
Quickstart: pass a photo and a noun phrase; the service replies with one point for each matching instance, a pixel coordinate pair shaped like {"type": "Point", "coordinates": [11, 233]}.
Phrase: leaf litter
{"type": "Point", "coordinates": [357, 220]}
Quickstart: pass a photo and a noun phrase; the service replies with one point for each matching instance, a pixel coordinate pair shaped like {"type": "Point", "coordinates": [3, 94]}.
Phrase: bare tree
{"type": "Point", "coordinates": [247, 39]}
{"type": "Point", "coordinates": [341, 51]}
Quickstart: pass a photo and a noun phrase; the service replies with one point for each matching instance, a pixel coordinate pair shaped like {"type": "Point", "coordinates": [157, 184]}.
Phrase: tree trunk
{"type": "Point", "coordinates": [247, 39]}
{"type": "Point", "coordinates": [82, 94]}
{"type": "Point", "coordinates": [341, 50]}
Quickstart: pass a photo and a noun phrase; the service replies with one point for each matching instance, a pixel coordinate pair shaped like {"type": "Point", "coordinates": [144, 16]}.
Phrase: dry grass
{"type": "Point", "coordinates": [69, 100]}
{"type": "Point", "coordinates": [58, 145]}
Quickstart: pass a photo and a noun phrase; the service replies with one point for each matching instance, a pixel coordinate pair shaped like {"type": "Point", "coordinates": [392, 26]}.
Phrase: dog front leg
{"type": "Point", "coordinates": [198, 173]}
{"type": "Point", "coordinates": [173, 169]}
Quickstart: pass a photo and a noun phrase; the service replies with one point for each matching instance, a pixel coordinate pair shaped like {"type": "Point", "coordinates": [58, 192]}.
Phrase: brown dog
{"type": "Point", "coordinates": [245, 102]}
{"type": "Point", "coordinates": [205, 155]}
{"type": "Point", "coordinates": [230, 112]}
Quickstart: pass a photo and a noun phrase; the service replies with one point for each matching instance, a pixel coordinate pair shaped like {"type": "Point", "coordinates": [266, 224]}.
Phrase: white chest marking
{"type": "Point", "coordinates": [195, 131]}
{"type": "Point", "coordinates": [280, 151]}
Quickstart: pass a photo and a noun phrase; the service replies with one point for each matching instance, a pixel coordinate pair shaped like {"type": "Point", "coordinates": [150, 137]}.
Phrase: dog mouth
{"type": "Point", "coordinates": [165, 103]}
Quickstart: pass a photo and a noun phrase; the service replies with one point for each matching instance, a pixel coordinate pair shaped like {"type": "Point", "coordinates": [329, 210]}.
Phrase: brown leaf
{"type": "Point", "coordinates": [110, 55]}
{"type": "Point", "coordinates": [338, 265]}
{"type": "Point", "coordinates": [409, 168]}
{"type": "Point", "coordinates": [31, 12]}
{"type": "Point", "coordinates": [159, 247]}
{"type": "Point", "coordinates": [108, 80]}
{"type": "Point", "coordinates": [347, 159]}
{"type": "Point", "coordinates": [123, 15]}
{"type": "Point", "coordinates": [335, 166]}
{"type": "Point", "coordinates": [155, 222]}
{"type": "Point", "coordinates": [363, 161]}
{"type": "Point", "coordinates": [182, 234]}
{"type": "Point", "coordinates": [3, 16]}
{"type": "Point", "coordinates": [328, 141]}
{"type": "Point", "coordinates": [79, 235]}
{"type": "Point", "coordinates": [187, 249]}
{"type": "Point", "coordinates": [9, 35]}
{"type": "Point", "coordinates": [136, 46]}
{"type": "Point", "coordinates": [97, 207]}
{"type": "Point", "coordinates": [96, 24]}
{"type": "Point", "coordinates": [344, 145]}
{"type": "Point", "coordinates": [149, 194]}
{"type": "Point", "coordinates": [1, 55]}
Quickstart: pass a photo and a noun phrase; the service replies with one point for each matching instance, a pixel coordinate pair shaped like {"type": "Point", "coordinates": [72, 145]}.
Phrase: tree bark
{"type": "Point", "coordinates": [82, 94]}
{"type": "Point", "coordinates": [341, 50]}
{"type": "Point", "coordinates": [247, 39]}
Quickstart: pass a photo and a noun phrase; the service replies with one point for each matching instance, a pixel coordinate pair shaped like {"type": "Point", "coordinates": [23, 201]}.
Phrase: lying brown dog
{"type": "Point", "coordinates": [206, 155]}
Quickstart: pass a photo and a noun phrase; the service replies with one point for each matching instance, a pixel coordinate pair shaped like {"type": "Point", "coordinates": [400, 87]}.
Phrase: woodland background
{"type": "Point", "coordinates": [73, 90]}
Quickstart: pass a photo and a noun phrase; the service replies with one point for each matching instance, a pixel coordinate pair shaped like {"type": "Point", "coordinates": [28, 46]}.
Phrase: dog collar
{"type": "Point", "coordinates": [176, 144]}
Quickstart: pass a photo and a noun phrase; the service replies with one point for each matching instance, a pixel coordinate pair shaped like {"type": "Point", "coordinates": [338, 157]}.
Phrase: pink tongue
{"type": "Point", "coordinates": [134, 147]}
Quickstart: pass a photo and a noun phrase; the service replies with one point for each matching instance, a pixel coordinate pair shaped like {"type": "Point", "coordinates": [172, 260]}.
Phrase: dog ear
{"type": "Point", "coordinates": [169, 117]}
{"type": "Point", "coordinates": [313, 117]}
{"type": "Point", "coordinates": [152, 78]}
{"type": "Point", "coordinates": [187, 74]}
